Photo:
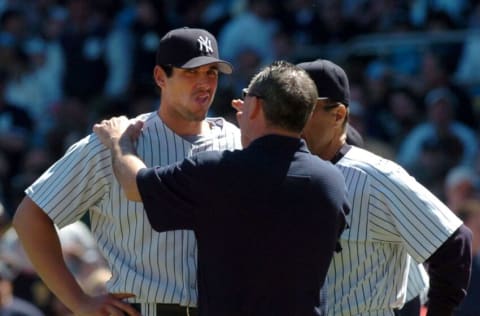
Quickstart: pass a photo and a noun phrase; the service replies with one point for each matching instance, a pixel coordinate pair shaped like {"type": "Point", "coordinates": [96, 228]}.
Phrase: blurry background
{"type": "Point", "coordinates": [414, 68]}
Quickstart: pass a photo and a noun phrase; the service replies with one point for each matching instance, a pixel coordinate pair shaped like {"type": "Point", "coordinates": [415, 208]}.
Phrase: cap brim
{"type": "Point", "coordinates": [223, 66]}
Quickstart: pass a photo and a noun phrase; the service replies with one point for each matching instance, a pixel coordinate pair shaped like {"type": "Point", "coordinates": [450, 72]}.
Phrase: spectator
{"type": "Point", "coordinates": [421, 9]}
{"type": "Point", "coordinates": [10, 304]}
{"type": "Point", "coordinates": [12, 22]}
{"type": "Point", "coordinates": [70, 119]}
{"type": "Point", "coordinates": [301, 20]}
{"type": "Point", "coordinates": [16, 127]}
{"type": "Point", "coordinates": [92, 49]}
{"type": "Point", "coordinates": [467, 72]}
{"type": "Point", "coordinates": [80, 250]}
{"type": "Point", "coordinates": [37, 87]}
{"type": "Point", "coordinates": [460, 186]}
{"type": "Point", "coordinates": [334, 27]}
{"type": "Point", "coordinates": [437, 71]}
{"type": "Point", "coordinates": [25, 282]}
{"type": "Point", "coordinates": [252, 29]}
{"type": "Point", "coordinates": [441, 131]}
{"type": "Point", "coordinates": [400, 115]}
{"type": "Point", "coordinates": [150, 22]}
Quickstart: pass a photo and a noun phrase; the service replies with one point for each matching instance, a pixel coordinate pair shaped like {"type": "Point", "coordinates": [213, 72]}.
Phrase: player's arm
{"type": "Point", "coordinates": [449, 269]}
{"type": "Point", "coordinates": [40, 240]}
{"type": "Point", "coordinates": [119, 135]}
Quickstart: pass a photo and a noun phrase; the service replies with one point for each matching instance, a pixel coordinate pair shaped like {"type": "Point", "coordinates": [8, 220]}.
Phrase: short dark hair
{"type": "Point", "coordinates": [168, 69]}
{"type": "Point", "coordinates": [288, 94]}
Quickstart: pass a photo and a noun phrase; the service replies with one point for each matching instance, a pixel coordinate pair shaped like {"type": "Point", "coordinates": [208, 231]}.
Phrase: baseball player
{"type": "Point", "coordinates": [159, 269]}
{"type": "Point", "coordinates": [417, 284]}
{"type": "Point", "coordinates": [392, 220]}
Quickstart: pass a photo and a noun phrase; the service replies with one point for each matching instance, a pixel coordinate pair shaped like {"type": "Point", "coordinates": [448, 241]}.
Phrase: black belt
{"type": "Point", "coordinates": [170, 309]}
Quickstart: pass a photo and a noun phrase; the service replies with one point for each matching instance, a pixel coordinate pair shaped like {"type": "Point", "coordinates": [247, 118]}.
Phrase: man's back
{"type": "Point", "coordinates": [267, 236]}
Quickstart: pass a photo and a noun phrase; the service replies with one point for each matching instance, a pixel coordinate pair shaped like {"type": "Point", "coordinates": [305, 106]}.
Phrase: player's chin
{"type": "Point", "coordinates": [198, 115]}
{"type": "Point", "coordinates": [201, 110]}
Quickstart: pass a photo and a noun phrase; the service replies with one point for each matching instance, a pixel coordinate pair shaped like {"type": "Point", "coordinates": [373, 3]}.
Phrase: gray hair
{"type": "Point", "coordinates": [288, 93]}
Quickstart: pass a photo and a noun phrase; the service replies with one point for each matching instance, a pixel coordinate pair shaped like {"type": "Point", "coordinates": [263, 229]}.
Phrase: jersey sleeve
{"type": "Point", "coordinates": [422, 222]}
{"type": "Point", "coordinates": [75, 183]}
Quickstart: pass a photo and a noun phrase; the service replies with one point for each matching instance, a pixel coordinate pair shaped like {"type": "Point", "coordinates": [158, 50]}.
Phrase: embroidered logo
{"type": "Point", "coordinates": [205, 44]}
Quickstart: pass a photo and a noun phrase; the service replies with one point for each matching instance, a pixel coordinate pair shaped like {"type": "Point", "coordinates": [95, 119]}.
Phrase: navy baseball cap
{"type": "Point", "coordinates": [190, 48]}
{"type": "Point", "coordinates": [330, 79]}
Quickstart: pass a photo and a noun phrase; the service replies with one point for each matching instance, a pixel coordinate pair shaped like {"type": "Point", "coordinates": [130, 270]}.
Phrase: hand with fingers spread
{"type": "Point", "coordinates": [107, 305]}
{"type": "Point", "coordinates": [110, 131]}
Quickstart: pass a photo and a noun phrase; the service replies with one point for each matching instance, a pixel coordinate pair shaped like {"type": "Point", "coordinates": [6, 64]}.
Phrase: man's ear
{"type": "Point", "coordinates": [159, 76]}
{"type": "Point", "coordinates": [341, 112]}
{"type": "Point", "coordinates": [256, 108]}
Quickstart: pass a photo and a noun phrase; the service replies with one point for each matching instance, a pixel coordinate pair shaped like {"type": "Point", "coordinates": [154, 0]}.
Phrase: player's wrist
{"type": "Point", "coordinates": [77, 305]}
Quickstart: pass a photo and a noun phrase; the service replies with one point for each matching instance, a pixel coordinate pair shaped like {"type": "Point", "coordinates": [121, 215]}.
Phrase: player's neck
{"type": "Point", "coordinates": [329, 152]}
{"type": "Point", "coordinates": [184, 127]}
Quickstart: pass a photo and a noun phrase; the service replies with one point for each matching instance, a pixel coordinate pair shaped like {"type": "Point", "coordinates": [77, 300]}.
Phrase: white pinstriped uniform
{"type": "Point", "coordinates": [157, 267]}
{"type": "Point", "coordinates": [392, 218]}
{"type": "Point", "coordinates": [418, 282]}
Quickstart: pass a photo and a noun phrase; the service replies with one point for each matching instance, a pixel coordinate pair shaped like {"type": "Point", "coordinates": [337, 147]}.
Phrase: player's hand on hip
{"type": "Point", "coordinates": [107, 305]}
{"type": "Point", "coordinates": [110, 131]}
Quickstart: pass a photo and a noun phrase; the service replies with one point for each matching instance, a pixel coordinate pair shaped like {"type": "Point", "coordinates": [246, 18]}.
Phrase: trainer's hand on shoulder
{"type": "Point", "coordinates": [107, 305]}
{"type": "Point", "coordinates": [110, 131]}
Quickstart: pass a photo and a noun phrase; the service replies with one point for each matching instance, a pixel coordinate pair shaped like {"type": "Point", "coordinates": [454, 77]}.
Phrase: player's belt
{"type": "Point", "coordinates": [170, 309]}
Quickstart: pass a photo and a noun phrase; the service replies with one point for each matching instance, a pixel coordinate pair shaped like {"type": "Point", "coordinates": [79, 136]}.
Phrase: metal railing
{"type": "Point", "coordinates": [383, 44]}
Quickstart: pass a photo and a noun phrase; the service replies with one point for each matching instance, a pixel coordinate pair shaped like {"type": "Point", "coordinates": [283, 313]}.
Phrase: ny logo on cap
{"type": "Point", "coordinates": [205, 44]}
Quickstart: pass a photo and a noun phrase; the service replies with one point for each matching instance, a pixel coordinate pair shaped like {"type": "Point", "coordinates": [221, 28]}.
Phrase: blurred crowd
{"type": "Point", "coordinates": [65, 64]}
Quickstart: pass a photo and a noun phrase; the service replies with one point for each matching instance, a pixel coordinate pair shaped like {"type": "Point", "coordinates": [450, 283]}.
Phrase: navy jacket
{"type": "Point", "coordinates": [266, 218]}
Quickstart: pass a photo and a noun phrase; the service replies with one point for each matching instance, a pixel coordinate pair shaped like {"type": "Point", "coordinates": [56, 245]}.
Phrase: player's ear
{"type": "Point", "coordinates": [341, 112]}
{"type": "Point", "coordinates": [159, 76]}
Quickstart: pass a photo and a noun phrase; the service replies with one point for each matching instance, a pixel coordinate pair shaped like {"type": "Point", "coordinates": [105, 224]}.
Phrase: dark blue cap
{"type": "Point", "coordinates": [190, 48]}
{"type": "Point", "coordinates": [330, 79]}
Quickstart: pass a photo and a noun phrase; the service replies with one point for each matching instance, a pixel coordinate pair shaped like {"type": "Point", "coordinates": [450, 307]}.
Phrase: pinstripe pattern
{"type": "Point", "coordinates": [418, 281]}
{"type": "Point", "coordinates": [157, 267]}
{"type": "Point", "coordinates": [392, 218]}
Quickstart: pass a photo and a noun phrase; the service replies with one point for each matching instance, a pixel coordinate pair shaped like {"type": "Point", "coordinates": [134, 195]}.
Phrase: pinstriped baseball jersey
{"type": "Point", "coordinates": [418, 280]}
{"type": "Point", "coordinates": [392, 218]}
{"type": "Point", "coordinates": [157, 267]}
